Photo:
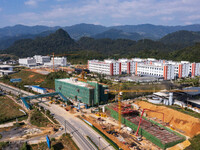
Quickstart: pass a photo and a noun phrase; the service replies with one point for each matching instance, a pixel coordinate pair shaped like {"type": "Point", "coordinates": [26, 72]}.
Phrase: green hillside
{"type": "Point", "coordinates": [181, 38]}
{"type": "Point", "coordinates": [89, 48]}
{"type": "Point", "coordinates": [58, 42]}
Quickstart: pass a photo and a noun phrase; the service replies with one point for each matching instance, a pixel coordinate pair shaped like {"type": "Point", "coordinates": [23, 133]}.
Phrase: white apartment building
{"type": "Point", "coordinates": [28, 62]}
{"type": "Point", "coordinates": [40, 60]}
{"type": "Point", "coordinates": [195, 69]}
{"type": "Point", "coordinates": [126, 66]}
{"type": "Point", "coordinates": [156, 69]}
{"type": "Point", "coordinates": [150, 67]}
{"type": "Point", "coordinates": [108, 67]}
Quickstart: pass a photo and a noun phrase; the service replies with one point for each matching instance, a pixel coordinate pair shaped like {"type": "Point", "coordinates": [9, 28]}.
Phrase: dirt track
{"type": "Point", "coordinates": [190, 125]}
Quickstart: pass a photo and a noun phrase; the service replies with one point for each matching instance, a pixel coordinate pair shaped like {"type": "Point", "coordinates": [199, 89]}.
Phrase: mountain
{"type": "Point", "coordinates": [61, 42]}
{"type": "Point", "coordinates": [182, 37]}
{"type": "Point", "coordinates": [18, 30]}
{"type": "Point", "coordinates": [191, 53]}
{"type": "Point", "coordinates": [120, 47]}
{"type": "Point", "coordinates": [118, 34]}
{"type": "Point", "coordinates": [7, 41]}
{"type": "Point", "coordinates": [156, 31]}
{"type": "Point", "coordinates": [58, 42]}
{"type": "Point", "coordinates": [80, 30]}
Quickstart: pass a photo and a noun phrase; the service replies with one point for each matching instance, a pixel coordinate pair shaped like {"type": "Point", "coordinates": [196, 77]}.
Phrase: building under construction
{"type": "Point", "coordinates": [89, 92]}
{"type": "Point", "coordinates": [153, 131]}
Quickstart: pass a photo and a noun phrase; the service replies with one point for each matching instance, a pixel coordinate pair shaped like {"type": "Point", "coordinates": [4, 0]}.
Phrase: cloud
{"type": "Point", "coordinates": [32, 3]}
{"type": "Point", "coordinates": [108, 12]}
{"type": "Point", "coordinates": [167, 18]}
{"type": "Point", "coordinates": [193, 17]}
{"type": "Point", "coordinates": [188, 23]}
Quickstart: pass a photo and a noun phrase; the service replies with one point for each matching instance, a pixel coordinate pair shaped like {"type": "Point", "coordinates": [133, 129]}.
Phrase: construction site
{"type": "Point", "coordinates": [89, 92]}
{"type": "Point", "coordinates": [140, 123]}
{"type": "Point", "coordinates": [153, 131]}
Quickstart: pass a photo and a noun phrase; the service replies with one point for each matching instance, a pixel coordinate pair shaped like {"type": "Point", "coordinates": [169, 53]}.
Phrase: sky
{"type": "Point", "coordinates": [99, 12]}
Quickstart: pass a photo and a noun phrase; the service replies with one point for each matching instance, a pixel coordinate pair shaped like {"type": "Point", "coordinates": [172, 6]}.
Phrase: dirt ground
{"type": "Point", "coordinates": [180, 121]}
{"type": "Point", "coordinates": [120, 144]}
{"type": "Point", "coordinates": [31, 76]}
{"type": "Point", "coordinates": [39, 80]}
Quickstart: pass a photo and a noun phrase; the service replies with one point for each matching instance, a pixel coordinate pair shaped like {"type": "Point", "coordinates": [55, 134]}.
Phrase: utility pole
{"type": "Point", "coordinates": [65, 128]}
{"type": "Point", "coordinates": [99, 142]}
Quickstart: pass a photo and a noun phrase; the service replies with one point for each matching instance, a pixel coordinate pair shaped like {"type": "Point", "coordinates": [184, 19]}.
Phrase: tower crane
{"type": "Point", "coordinates": [120, 92]}
{"type": "Point", "coordinates": [53, 55]}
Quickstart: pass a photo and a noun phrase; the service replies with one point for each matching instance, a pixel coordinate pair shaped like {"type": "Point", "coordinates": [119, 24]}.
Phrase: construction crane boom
{"type": "Point", "coordinates": [53, 55]}
{"type": "Point", "coordinates": [120, 92]}
{"type": "Point", "coordinates": [134, 91]}
{"type": "Point", "coordinates": [142, 116]}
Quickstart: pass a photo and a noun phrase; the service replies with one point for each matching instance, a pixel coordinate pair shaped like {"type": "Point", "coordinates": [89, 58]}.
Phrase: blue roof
{"type": "Point", "coordinates": [38, 87]}
{"type": "Point", "coordinates": [194, 90]}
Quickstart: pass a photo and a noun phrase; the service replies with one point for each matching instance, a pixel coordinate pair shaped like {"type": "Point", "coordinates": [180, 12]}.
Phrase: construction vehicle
{"type": "Point", "coordinates": [101, 115]}
{"type": "Point", "coordinates": [82, 75]}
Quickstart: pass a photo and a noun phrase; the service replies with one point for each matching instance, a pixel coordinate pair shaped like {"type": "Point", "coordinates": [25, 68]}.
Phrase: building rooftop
{"type": "Point", "coordinates": [195, 101]}
{"type": "Point", "coordinates": [38, 87]}
{"type": "Point", "coordinates": [7, 71]}
{"type": "Point", "coordinates": [194, 90]}
{"type": "Point", "coordinates": [162, 94]}
{"type": "Point", "coordinates": [5, 66]}
{"type": "Point", "coordinates": [75, 81]}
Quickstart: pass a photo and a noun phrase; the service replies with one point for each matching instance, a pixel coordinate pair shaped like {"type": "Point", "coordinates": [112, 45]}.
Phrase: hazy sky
{"type": "Point", "coordinates": [103, 12]}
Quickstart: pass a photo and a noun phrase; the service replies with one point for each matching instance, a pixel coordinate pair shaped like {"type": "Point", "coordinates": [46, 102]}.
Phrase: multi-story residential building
{"type": "Point", "coordinates": [108, 67]}
{"type": "Point", "coordinates": [126, 66]}
{"type": "Point", "coordinates": [148, 67]}
{"type": "Point", "coordinates": [157, 70]}
{"type": "Point", "coordinates": [195, 69]}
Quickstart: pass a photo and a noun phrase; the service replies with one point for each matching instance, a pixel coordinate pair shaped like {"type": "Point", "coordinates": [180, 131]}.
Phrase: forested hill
{"type": "Point", "coordinates": [185, 38]}
{"type": "Point", "coordinates": [8, 35]}
{"type": "Point", "coordinates": [58, 42]}
{"type": "Point", "coordinates": [118, 34]}
{"type": "Point", "coordinates": [88, 48]}
{"type": "Point", "coordinates": [191, 53]}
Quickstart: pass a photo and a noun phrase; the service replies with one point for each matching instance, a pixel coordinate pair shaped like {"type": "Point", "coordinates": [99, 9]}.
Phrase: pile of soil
{"type": "Point", "coordinates": [190, 125]}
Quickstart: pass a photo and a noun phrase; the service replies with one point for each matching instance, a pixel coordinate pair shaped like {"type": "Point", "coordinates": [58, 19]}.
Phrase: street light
{"type": "Point", "coordinates": [99, 141]}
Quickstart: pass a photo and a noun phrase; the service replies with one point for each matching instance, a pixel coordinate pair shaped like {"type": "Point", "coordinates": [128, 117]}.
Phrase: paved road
{"type": "Point", "coordinates": [80, 126]}
{"type": "Point", "coordinates": [74, 126]}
